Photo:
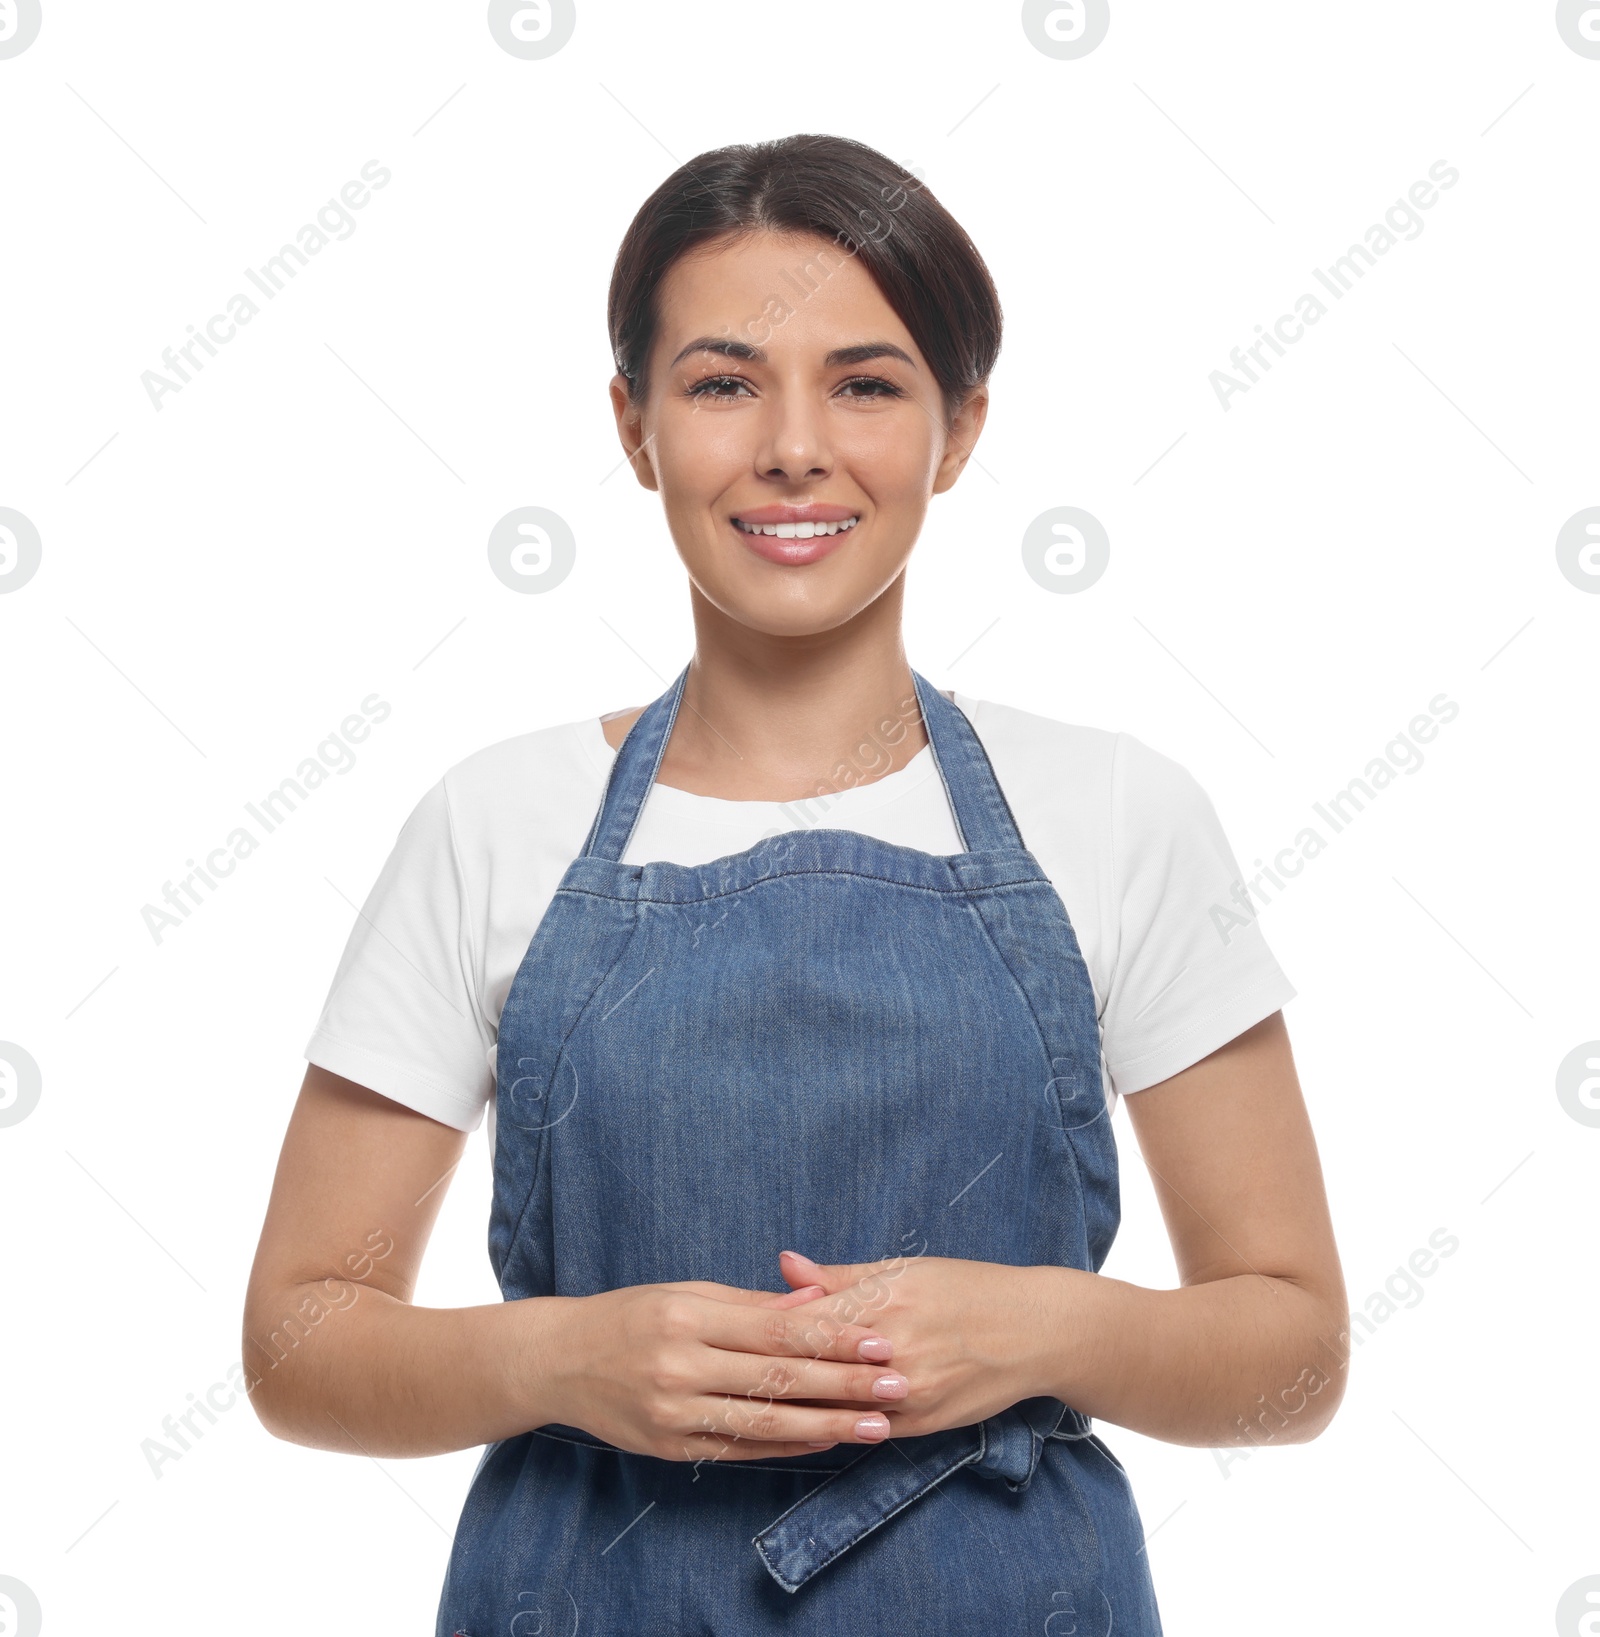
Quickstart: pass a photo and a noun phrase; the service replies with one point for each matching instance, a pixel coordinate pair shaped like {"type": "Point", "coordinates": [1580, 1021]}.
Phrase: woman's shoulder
{"type": "Point", "coordinates": [1102, 809]}
{"type": "Point", "coordinates": [542, 781]}
{"type": "Point", "coordinates": [1096, 764]}
{"type": "Point", "coordinates": [1003, 721]}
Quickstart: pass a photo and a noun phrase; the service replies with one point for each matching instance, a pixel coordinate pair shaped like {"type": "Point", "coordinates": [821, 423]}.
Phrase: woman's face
{"type": "Point", "coordinates": [785, 392]}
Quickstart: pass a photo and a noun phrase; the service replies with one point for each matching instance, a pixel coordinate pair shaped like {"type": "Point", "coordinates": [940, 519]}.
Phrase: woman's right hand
{"type": "Point", "coordinates": [696, 1370]}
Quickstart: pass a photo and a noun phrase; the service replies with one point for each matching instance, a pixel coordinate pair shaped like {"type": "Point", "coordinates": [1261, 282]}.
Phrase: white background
{"type": "Point", "coordinates": [1291, 580]}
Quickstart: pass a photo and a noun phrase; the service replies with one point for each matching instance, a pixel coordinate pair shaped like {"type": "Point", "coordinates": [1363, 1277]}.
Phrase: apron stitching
{"type": "Point", "coordinates": [537, 1158]}
{"type": "Point", "coordinates": [957, 891]}
{"type": "Point", "coordinates": [602, 1448]}
{"type": "Point", "coordinates": [1072, 1152]}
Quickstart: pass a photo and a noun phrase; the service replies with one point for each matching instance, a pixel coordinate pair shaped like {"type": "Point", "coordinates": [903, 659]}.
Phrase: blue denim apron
{"type": "Point", "coordinates": [852, 1048]}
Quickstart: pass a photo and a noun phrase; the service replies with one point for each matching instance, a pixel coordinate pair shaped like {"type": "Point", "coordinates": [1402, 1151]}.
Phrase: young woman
{"type": "Point", "coordinates": [799, 1000]}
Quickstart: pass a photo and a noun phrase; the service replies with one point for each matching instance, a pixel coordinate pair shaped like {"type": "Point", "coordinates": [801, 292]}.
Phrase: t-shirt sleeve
{"type": "Point", "coordinates": [402, 1016]}
{"type": "Point", "coordinates": [1191, 969]}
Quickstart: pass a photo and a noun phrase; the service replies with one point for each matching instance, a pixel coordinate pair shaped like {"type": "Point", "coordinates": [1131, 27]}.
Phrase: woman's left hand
{"type": "Point", "coordinates": [968, 1336]}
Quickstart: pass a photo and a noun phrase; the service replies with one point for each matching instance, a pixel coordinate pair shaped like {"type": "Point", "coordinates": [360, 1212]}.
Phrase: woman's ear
{"type": "Point", "coordinates": [961, 438]}
{"type": "Point", "coordinates": [630, 429]}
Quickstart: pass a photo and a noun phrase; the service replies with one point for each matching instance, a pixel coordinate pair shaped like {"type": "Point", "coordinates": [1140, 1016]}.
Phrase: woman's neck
{"type": "Point", "coordinates": [758, 722]}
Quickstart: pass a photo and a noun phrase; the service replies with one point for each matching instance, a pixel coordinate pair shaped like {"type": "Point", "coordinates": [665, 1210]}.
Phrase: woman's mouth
{"type": "Point", "coordinates": [794, 534]}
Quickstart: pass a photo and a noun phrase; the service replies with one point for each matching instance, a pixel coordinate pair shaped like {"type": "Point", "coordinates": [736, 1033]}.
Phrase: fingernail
{"type": "Point", "coordinates": [890, 1387]}
{"type": "Point", "coordinates": [876, 1350]}
{"type": "Point", "coordinates": [872, 1426]}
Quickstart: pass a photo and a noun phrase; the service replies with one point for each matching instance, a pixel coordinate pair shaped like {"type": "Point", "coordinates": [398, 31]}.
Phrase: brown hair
{"type": "Point", "coordinates": [830, 186]}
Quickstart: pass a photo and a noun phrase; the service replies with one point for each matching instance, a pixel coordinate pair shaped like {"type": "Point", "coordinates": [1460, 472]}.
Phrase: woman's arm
{"type": "Point", "coordinates": [337, 1355]}
{"type": "Point", "coordinates": [1251, 1349]}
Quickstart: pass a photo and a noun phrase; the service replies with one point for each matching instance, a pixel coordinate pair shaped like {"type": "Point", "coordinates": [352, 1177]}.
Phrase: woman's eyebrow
{"type": "Point", "coordinates": [861, 353]}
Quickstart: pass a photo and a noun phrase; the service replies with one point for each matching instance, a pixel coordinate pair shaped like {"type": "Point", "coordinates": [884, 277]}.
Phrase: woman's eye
{"type": "Point", "coordinates": [883, 388]}
{"type": "Point", "coordinates": [703, 389]}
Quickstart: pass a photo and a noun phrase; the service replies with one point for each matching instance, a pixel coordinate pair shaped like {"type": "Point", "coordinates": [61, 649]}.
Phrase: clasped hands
{"type": "Point", "coordinates": [851, 1353]}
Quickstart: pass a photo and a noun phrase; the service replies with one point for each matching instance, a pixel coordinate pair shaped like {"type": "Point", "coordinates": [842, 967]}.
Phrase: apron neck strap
{"type": "Point", "coordinates": [983, 817]}
{"type": "Point", "coordinates": [632, 773]}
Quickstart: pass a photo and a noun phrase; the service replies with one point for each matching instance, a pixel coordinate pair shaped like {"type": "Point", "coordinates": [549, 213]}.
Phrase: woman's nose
{"type": "Point", "coordinates": [793, 442]}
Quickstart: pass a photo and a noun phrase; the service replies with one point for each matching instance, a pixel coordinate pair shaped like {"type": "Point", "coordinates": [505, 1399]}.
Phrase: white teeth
{"type": "Point", "coordinates": [797, 531]}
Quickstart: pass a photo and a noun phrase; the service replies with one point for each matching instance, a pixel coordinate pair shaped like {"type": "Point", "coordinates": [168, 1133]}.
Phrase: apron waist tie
{"type": "Point", "coordinates": [886, 1478]}
{"type": "Point", "coordinates": [849, 1504]}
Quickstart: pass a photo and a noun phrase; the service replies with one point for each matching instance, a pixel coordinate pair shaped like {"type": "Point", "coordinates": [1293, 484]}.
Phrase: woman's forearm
{"type": "Point", "coordinates": [1250, 1359]}
{"type": "Point", "coordinates": [380, 1376]}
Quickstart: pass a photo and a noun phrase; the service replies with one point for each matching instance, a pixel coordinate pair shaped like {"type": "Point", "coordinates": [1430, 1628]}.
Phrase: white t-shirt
{"type": "Point", "coordinates": [1128, 838]}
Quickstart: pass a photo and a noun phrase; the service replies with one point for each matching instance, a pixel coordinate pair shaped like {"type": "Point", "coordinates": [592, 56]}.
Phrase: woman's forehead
{"type": "Point", "coordinates": [773, 290]}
